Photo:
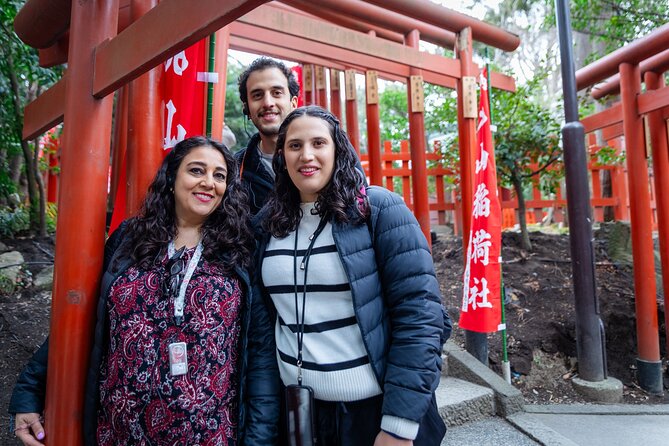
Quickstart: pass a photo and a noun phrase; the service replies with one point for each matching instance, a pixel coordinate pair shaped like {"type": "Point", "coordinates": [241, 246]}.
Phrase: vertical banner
{"type": "Point", "coordinates": [184, 82]}
{"type": "Point", "coordinates": [481, 301]}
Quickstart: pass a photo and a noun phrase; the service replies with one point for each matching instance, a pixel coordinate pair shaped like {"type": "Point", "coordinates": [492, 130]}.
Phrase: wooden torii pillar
{"type": "Point", "coordinates": [627, 62]}
{"type": "Point", "coordinates": [81, 223]}
{"type": "Point", "coordinates": [352, 125]}
{"type": "Point", "coordinates": [373, 128]}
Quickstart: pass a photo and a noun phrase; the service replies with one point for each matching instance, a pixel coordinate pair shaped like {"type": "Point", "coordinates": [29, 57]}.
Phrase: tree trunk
{"type": "Point", "coordinates": [27, 156]}
{"type": "Point", "coordinates": [524, 234]}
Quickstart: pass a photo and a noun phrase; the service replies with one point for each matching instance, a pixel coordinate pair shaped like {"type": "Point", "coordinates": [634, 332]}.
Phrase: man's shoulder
{"type": "Point", "coordinates": [253, 142]}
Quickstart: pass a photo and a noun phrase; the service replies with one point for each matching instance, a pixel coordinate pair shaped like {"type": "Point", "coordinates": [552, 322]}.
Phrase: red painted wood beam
{"type": "Point", "coordinates": [144, 153]}
{"type": "Point", "coordinates": [373, 128]}
{"type": "Point", "coordinates": [445, 18]}
{"type": "Point", "coordinates": [641, 222]}
{"type": "Point", "coordinates": [658, 63]}
{"type": "Point", "coordinates": [240, 43]}
{"type": "Point", "coordinates": [45, 111]}
{"type": "Point", "coordinates": [40, 23]}
{"type": "Point", "coordinates": [379, 16]}
{"type": "Point", "coordinates": [633, 53]}
{"type": "Point", "coordinates": [660, 150]}
{"type": "Point", "coordinates": [320, 32]}
{"type": "Point", "coordinates": [466, 137]}
{"type": "Point", "coordinates": [418, 145]}
{"type": "Point", "coordinates": [611, 132]}
{"type": "Point", "coordinates": [335, 93]}
{"type": "Point", "coordinates": [81, 225]}
{"type": "Point", "coordinates": [352, 126]}
{"type": "Point", "coordinates": [119, 140]}
{"type": "Point", "coordinates": [335, 17]}
{"type": "Point", "coordinates": [220, 67]}
{"type": "Point", "coordinates": [182, 25]}
{"type": "Point", "coordinates": [653, 100]}
{"type": "Point", "coordinates": [605, 118]}
{"type": "Point", "coordinates": [254, 39]}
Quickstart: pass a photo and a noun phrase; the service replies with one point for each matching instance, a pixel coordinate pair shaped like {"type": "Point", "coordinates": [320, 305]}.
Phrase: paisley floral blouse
{"type": "Point", "coordinates": [141, 402]}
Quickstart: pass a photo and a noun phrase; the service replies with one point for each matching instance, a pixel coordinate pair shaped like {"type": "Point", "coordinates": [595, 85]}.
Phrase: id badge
{"type": "Point", "coordinates": [178, 358]}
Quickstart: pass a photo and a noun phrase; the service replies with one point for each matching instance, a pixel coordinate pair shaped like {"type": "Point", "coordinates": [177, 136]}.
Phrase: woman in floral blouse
{"type": "Point", "coordinates": [177, 327]}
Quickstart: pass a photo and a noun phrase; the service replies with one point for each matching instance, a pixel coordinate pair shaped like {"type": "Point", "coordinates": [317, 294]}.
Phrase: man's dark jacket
{"type": "Point", "coordinates": [259, 407]}
{"type": "Point", "coordinates": [397, 304]}
{"type": "Point", "coordinates": [257, 181]}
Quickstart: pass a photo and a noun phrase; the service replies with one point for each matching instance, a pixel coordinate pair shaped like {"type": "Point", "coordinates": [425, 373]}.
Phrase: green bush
{"type": "Point", "coordinates": [13, 221]}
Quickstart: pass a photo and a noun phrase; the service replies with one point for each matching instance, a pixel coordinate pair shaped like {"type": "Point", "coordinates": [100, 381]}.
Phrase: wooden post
{"type": "Point", "coordinates": [335, 94]}
{"type": "Point", "coordinates": [352, 128]}
{"type": "Point", "coordinates": [421, 206]}
{"type": "Point", "coordinates": [220, 67]}
{"type": "Point", "coordinates": [648, 361]}
{"type": "Point", "coordinates": [145, 152]}
{"type": "Point", "coordinates": [81, 224]}
{"type": "Point", "coordinates": [660, 150]}
{"type": "Point", "coordinates": [373, 128]}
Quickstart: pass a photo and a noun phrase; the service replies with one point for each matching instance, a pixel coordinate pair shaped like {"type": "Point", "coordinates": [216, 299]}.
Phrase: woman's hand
{"type": "Point", "coordinates": [29, 429]}
{"type": "Point", "coordinates": [384, 439]}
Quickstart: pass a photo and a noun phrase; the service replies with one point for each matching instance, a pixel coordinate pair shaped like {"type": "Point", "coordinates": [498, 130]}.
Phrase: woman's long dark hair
{"type": "Point", "coordinates": [342, 199]}
{"type": "Point", "coordinates": [226, 234]}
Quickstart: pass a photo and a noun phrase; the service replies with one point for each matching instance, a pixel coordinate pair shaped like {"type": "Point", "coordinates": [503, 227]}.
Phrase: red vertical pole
{"type": "Point", "coordinates": [52, 179]}
{"type": "Point", "coordinates": [308, 84]}
{"type": "Point", "coordinates": [352, 128]}
{"type": "Point", "coordinates": [660, 150]}
{"type": "Point", "coordinates": [466, 132]}
{"type": "Point", "coordinates": [406, 178]}
{"type": "Point", "coordinates": [648, 362]}
{"type": "Point", "coordinates": [421, 207]}
{"type": "Point", "coordinates": [373, 128]}
{"type": "Point", "coordinates": [619, 186]}
{"type": "Point", "coordinates": [220, 67]}
{"type": "Point", "coordinates": [145, 151]}
{"type": "Point", "coordinates": [388, 165]}
{"type": "Point", "coordinates": [475, 343]}
{"type": "Point", "coordinates": [335, 96]}
{"type": "Point", "coordinates": [120, 140]}
{"type": "Point", "coordinates": [81, 223]}
{"type": "Point", "coordinates": [321, 85]}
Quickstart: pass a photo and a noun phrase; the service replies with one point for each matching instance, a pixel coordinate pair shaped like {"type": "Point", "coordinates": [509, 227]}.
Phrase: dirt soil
{"type": "Point", "coordinates": [540, 317]}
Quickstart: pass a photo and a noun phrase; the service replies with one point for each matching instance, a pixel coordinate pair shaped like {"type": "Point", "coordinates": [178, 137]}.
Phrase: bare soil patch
{"type": "Point", "coordinates": [540, 316]}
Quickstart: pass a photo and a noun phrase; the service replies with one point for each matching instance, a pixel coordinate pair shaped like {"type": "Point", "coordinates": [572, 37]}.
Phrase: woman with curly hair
{"type": "Point", "coordinates": [357, 312]}
{"type": "Point", "coordinates": [182, 354]}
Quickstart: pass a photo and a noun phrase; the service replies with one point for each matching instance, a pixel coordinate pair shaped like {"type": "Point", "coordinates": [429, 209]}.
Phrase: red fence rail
{"type": "Point", "coordinates": [444, 201]}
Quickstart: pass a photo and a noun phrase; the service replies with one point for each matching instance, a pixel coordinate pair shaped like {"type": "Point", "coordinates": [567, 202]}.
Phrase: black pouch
{"type": "Point", "coordinates": [300, 415]}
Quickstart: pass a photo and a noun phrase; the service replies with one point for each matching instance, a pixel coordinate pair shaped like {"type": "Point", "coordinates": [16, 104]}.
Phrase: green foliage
{"type": "Point", "coordinates": [527, 137]}
{"type": "Point", "coordinates": [21, 81]}
{"type": "Point", "coordinates": [614, 22]}
{"type": "Point", "coordinates": [234, 118]}
{"type": "Point", "coordinates": [13, 221]}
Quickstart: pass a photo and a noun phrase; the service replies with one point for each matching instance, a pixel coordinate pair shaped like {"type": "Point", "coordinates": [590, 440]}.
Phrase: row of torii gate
{"type": "Point", "coordinates": [113, 44]}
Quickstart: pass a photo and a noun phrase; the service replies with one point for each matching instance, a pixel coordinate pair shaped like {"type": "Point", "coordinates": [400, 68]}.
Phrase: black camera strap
{"type": "Point", "coordinates": [304, 265]}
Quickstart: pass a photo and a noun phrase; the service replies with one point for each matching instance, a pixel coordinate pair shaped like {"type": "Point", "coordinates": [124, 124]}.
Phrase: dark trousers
{"type": "Point", "coordinates": [358, 423]}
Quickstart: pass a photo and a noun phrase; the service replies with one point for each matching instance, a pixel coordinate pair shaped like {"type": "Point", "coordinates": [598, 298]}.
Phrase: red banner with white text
{"type": "Point", "coordinates": [183, 91]}
{"type": "Point", "coordinates": [481, 297]}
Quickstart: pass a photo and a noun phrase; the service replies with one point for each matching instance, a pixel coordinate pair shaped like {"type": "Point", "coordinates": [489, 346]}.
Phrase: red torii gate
{"type": "Point", "coordinates": [108, 44]}
{"type": "Point", "coordinates": [649, 57]}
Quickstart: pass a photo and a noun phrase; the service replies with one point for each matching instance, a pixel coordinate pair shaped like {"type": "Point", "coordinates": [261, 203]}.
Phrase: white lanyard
{"type": "Point", "coordinates": [192, 264]}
